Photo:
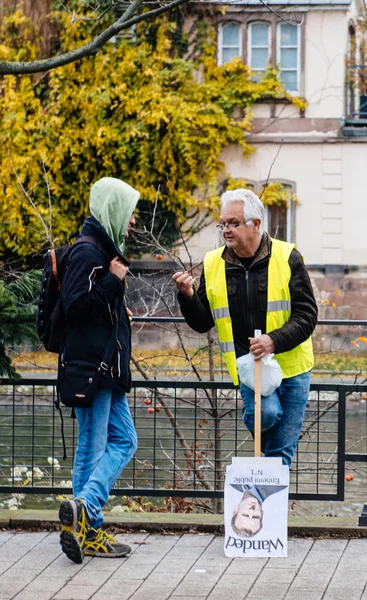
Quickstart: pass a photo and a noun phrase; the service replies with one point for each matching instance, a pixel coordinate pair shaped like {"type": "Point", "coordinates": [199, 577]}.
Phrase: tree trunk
{"type": "Point", "coordinates": [217, 503]}
{"type": "Point", "coordinates": [39, 13]}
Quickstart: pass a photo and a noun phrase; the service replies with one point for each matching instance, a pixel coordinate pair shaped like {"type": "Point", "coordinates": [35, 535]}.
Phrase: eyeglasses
{"type": "Point", "coordinates": [231, 225]}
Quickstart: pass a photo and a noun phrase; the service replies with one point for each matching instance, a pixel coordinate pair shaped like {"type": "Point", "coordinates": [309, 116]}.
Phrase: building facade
{"type": "Point", "coordinates": [320, 153]}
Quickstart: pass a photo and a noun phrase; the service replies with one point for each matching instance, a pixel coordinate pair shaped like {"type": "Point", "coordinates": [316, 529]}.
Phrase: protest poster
{"type": "Point", "coordinates": [256, 509]}
{"type": "Point", "coordinates": [256, 497]}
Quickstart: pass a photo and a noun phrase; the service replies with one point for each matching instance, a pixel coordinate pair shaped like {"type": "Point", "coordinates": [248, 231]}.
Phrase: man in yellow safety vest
{"type": "Point", "coordinates": [257, 282]}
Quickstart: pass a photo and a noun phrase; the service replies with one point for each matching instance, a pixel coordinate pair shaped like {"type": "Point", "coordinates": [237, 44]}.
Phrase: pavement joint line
{"type": "Point", "coordinates": [118, 565]}
{"type": "Point", "coordinates": [332, 587]}
{"type": "Point", "coordinates": [225, 570]}
{"type": "Point", "coordinates": [137, 546]}
{"type": "Point", "coordinates": [257, 577]}
{"type": "Point", "coordinates": [22, 556]}
{"type": "Point", "coordinates": [192, 567]}
{"type": "Point", "coordinates": [308, 552]}
{"type": "Point", "coordinates": [335, 569]}
{"type": "Point", "coordinates": [162, 558]}
{"type": "Point", "coordinates": [221, 577]}
{"type": "Point", "coordinates": [35, 577]}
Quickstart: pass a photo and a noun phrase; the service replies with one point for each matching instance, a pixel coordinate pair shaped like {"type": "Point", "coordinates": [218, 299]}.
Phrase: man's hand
{"type": "Point", "coordinates": [118, 268]}
{"type": "Point", "coordinates": [129, 314]}
{"type": "Point", "coordinates": [261, 346]}
{"type": "Point", "coordinates": [184, 283]}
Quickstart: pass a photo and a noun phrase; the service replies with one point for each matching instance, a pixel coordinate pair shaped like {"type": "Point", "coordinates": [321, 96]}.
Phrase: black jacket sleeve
{"type": "Point", "coordinates": [303, 317]}
{"type": "Point", "coordinates": [88, 286]}
{"type": "Point", "coordinates": [196, 310]}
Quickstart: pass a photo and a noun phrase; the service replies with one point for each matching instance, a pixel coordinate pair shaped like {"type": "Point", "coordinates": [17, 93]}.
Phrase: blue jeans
{"type": "Point", "coordinates": [106, 443]}
{"type": "Point", "coordinates": [282, 416]}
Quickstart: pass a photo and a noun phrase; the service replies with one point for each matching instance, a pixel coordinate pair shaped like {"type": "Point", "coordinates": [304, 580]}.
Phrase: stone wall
{"type": "Point", "coordinates": [341, 294]}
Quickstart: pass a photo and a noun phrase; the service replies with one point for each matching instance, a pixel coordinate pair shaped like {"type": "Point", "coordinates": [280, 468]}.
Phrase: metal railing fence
{"type": "Point", "coordinates": [188, 431]}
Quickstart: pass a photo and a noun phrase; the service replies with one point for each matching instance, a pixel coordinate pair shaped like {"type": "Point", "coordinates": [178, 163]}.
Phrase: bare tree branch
{"type": "Point", "coordinates": [93, 9]}
{"type": "Point", "coordinates": [279, 15]}
{"type": "Point", "coordinates": [155, 209]}
{"type": "Point", "coordinates": [270, 169]}
{"type": "Point", "coordinates": [49, 198]}
{"type": "Point", "coordinates": [26, 194]}
{"type": "Point", "coordinates": [93, 47]}
{"type": "Point", "coordinates": [188, 452]}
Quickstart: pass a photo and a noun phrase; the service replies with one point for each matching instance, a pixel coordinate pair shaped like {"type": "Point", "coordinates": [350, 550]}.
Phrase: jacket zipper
{"type": "Point", "coordinates": [119, 357]}
{"type": "Point", "coordinates": [118, 363]}
{"type": "Point", "coordinates": [118, 353]}
{"type": "Point", "coordinates": [109, 310]}
{"type": "Point", "coordinates": [248, 300]}
{"type": "Point", "coordinates": [247, 280]}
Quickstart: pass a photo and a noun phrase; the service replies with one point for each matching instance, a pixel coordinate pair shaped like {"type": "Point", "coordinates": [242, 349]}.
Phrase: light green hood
{"type": "Point", "coordinates": [112, 202]}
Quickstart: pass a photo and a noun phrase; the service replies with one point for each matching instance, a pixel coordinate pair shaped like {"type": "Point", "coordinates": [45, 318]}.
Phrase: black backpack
{"type": "Point", "coordinates": [50, 316]}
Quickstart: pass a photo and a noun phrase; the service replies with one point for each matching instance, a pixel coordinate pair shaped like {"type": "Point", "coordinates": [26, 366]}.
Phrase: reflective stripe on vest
{"type": "Point", "coordinates": [296, 361]}
{"type": "Point", "coordinates": [220, 313]}
{"type": "Point", "coordinates": [226, 346]}
{"type": "Point", "coordinates": [279, 305]}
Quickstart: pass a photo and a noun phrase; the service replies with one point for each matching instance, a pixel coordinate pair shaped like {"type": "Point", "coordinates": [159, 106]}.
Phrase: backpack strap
{"type": "Point", "coordinates": [58, 407]}
{"type": "Point", "coordinates": [102, 370]}
{"type": "Point", "coordinates": [111, 346]}
{"type": "Point", "coordinates": [54, 268]}
{"type": "Point", "coordinates": [94, 242]}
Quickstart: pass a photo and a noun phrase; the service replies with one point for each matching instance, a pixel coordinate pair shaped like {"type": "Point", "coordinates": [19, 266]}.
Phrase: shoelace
{"type": "Point", "coordinates": [108, 537]}
{"type": "Point", "coordinates": [104, 536]}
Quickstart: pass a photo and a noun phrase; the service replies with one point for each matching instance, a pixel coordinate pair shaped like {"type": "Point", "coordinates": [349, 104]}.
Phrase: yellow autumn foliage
{"type": "Point", "coordinates": [137, 110]}
{"type": "Point", "coordinates": [275, 193]}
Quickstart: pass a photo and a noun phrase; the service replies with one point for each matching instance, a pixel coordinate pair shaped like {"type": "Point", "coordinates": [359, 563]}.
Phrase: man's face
{"type": "Point", "coordinates": [130, 226]}
{"type": "Point", "coordinates": [249, 514]}
{"type": "Point", "coordinates": [240, 237]}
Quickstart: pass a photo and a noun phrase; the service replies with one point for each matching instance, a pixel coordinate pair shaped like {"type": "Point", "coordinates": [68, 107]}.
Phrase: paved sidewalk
{"type": "Point", "coordinates": [179, 567]}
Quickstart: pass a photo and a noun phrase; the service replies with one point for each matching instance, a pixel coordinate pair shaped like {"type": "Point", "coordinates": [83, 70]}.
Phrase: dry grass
{"type": "Point", "coordinates": [174, 361]}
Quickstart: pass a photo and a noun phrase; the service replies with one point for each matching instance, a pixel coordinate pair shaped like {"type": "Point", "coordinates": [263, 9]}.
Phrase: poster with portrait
{"type": "Point", "coordinates": [256, 508]}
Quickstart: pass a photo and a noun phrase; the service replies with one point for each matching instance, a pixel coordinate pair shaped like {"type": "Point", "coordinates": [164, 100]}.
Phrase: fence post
{"type": "Point", "coordinates": [362, 521]}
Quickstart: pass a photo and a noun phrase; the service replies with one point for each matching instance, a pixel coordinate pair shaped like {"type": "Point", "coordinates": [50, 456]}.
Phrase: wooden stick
{"type": "Point", "coordinates": [257, 432]}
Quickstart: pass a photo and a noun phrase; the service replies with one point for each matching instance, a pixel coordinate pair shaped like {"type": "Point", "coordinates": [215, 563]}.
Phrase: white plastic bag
{"type": "Point", "coordinates": [271, 373]}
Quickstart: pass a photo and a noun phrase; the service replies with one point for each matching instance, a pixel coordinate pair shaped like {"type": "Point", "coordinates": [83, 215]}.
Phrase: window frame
{"type": "Point", "coordinates": [291, 208]}
{"type": "Point", "coordinates": [257, 187]}
{"type": "Point", "coordinates": [278, 54]}
{"type": "Point", "coordinates": [250, 45]}
{"type": "Point", "coordinates": [245, 19]}
{"type": "Point", "coordinates": [220, 40]}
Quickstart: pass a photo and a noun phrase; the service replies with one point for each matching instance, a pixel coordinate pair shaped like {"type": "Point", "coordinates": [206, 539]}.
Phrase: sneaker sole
{"type": "Point", "coordinates": [106, 554]}
{"type": "Point", "coordinates": [68, 515]}
{"type": "Point", "coordinates": [71, 547]}
{"type": "Point", "coordinates": [69, 543]}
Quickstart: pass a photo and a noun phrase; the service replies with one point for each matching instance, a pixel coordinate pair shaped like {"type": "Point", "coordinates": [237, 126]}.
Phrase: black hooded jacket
{"type": "Point", "coordinates": [247, 290]}
{"type": "Point", "coordinates": [92, 297]}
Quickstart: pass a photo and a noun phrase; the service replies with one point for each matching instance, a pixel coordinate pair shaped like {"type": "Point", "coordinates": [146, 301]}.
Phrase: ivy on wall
{"type": "Point", "coordinates": [274, 193]}
{"type": "Point", "coordinates": [139, 110]}
{"type": "Point", "coordinates": [277, 194]}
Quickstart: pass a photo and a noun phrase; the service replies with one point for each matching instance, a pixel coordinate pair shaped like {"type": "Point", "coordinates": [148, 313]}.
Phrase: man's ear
{"type": "Point", "coordinates": [257, 223]}
{"type": "Point", "coordinates": [235, 511]}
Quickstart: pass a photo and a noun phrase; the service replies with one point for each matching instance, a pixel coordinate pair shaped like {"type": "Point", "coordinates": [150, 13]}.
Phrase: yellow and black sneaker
{"type": "Point", "coordinates": [74, 527]}
{"type": "Point", "coordinates": [100, 543]}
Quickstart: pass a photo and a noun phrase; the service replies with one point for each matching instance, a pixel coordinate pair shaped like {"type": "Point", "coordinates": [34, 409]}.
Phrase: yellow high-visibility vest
{"type": "Point", "coordinates": [294, 362]}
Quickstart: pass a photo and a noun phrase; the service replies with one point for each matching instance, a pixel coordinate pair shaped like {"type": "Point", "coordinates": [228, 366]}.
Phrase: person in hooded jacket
{"type": "Point", "coordinates": [92, 294]}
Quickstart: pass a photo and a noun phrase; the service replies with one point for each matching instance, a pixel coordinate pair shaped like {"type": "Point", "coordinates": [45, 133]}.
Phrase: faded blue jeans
{"type": "Point", "coordinates": [282, 416]}
{"type": "Point", "coordinates": [106, 443]}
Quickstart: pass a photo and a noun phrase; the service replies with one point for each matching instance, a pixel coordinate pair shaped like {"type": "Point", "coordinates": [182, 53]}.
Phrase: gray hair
{"type": "Point", "coordinates": [253, 208]}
